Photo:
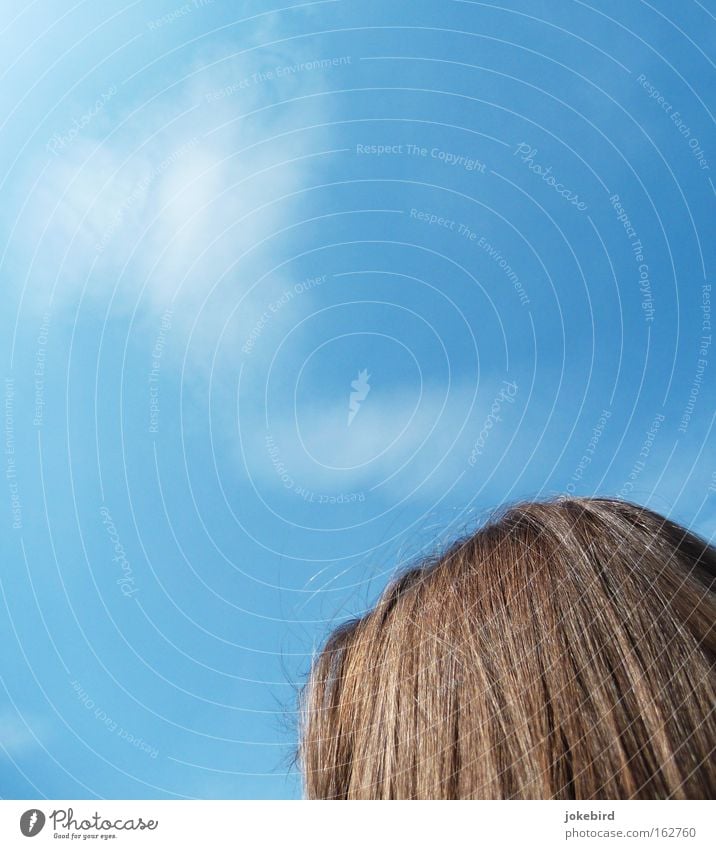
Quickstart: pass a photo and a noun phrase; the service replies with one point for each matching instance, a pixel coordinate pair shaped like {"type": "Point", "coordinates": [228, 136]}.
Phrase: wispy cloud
{"type": "Point", "coordinates": [402, 443]}
{"type": "Point", "coordinates": [178, 201]}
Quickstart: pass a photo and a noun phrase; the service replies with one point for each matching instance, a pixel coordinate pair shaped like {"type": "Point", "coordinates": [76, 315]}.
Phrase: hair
{"type": "Point", "coordinates": [563, 651]}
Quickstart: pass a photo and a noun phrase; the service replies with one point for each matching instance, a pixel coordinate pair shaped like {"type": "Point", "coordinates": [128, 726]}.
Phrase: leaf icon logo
{"type": "Point", "coordinates": [32, 822]}
{"type": "Point", "coordinates": [361, 388]}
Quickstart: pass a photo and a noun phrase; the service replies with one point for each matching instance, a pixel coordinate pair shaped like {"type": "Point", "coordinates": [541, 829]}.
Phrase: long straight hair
{"type": "Point", "coordinates": [563, 651]}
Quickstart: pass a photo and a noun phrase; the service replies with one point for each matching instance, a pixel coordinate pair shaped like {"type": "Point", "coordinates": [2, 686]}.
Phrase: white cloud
{"type": "Point", "coordinates": [174, 202]}
{"type": "Point", "coordinates": [399, 444]}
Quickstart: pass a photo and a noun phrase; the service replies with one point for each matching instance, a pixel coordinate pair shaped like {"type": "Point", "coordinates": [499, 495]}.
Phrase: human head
{"type": "Point", "coordinates": [565, 650]}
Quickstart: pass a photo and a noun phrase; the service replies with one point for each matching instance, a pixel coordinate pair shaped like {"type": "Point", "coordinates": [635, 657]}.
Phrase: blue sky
{"type": "Point", "coordinates": [295, 293]}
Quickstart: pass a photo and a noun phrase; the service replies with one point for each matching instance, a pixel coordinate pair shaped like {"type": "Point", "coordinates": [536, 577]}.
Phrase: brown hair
{"type": "Point", "coordinates": [563, 651]}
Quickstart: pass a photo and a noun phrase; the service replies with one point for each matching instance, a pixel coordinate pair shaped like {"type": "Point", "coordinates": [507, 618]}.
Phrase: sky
{"type": "Point", "coordinates": [296, 293]}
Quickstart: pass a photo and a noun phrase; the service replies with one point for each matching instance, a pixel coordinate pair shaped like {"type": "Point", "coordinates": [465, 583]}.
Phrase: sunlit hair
{"type": "Point", "coordinates": [565, 650]}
